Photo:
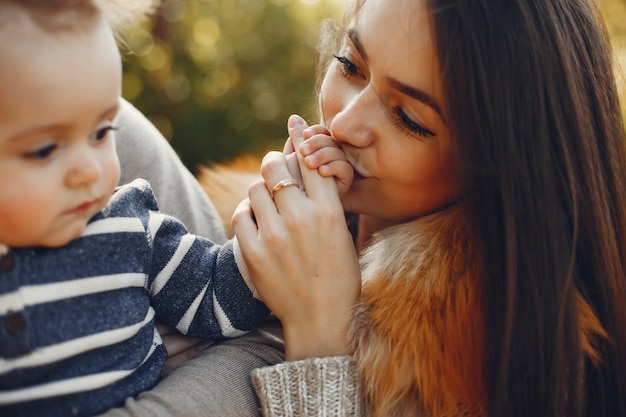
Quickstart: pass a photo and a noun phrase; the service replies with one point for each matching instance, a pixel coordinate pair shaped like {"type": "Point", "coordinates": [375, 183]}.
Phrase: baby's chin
{"type": "Point", "coordinates": [63, 238]}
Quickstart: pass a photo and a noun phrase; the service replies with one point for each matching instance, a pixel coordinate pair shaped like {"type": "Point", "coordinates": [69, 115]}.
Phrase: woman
{"type": "Point", "coordinates": [489, 135]}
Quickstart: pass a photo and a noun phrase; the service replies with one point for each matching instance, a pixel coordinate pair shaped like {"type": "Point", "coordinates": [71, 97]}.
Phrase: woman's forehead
{"type": "Point", "coordinates": [404, 24]}
{"type": "Point", "coordinates": [397, 39]}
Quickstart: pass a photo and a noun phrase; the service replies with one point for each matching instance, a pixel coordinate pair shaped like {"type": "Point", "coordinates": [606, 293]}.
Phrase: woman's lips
{"type": "Point", "coordinates": [357, 175]}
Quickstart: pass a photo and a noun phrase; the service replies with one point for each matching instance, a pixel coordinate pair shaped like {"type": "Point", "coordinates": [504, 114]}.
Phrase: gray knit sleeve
{"type": "Point", "coordinates": [316, 387]}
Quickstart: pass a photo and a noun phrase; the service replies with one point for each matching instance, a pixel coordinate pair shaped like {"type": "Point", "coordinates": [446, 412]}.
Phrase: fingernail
{"type": "Point", "coordinates": [296, 121]}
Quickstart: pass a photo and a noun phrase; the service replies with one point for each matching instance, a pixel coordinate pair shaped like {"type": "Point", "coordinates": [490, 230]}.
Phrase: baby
{"type": "Point", "coordinates": [85, 267]}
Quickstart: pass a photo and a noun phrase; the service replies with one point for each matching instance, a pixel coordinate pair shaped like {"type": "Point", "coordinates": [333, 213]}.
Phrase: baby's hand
{"type": "Point", "coordinates": [322, 152]}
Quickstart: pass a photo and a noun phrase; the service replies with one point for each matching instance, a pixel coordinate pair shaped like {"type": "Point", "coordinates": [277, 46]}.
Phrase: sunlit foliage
{"type": "Point", "coordinates": [220, 77]}
{"type": "Point", "coordinates": [614, 12]}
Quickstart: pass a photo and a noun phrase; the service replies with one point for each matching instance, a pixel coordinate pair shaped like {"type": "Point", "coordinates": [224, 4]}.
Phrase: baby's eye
{"type": "Point", "coordinates": [102, 133]}
{"type": "Point", "coordinates": [41, 153]}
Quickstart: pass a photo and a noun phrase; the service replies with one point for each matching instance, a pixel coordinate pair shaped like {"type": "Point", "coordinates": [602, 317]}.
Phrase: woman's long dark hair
{"type": "Point", "coordinates": [532, 101]}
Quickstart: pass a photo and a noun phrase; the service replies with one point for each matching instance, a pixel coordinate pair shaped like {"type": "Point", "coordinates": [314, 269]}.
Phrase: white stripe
{"type": "Point", "coordinates": [243, 269]}
{"type": "Point", "coordinates": [228, 330]}
{"type": "Point", "coordinates": [37, 294]}
{"type": "Point", "coordinates": [114, 225]}
{"type": "Point", "coordinates": [182, 249]}
{"type": "Point", "coordinates": [185, 321]}
{"type": "Point", "coordinates": [60, 351]}
{"type": "Point", "coordinates": [67, 386]}
{"type": "Point", "coordinates": [154, 223]}
{"type": "Point", "coordinates": [74, 385]}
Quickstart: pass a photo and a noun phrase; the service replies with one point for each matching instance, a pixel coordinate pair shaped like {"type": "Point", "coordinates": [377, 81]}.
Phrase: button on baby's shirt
{"type": "Point", "coordinates": [7, 262]}
{"type": "Point", "coordinates": [15, 323]}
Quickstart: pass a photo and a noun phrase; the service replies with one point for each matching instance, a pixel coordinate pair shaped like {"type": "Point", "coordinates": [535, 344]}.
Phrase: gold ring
{"type": "Point", "coordinates": [284, 183]}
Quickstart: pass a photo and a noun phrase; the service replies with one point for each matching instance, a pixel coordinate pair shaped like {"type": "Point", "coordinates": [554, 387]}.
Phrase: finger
{"type": "Point", "coordinates": [278, 178]}
{"type": "Point", "coordinates": [288, 148]}
{"type": "Point", "coordinates": [296, 125]}
{"type": "Point", "coordinates": [325, 156]}
{"type": "Point", "coordinates": [317, 142]}
{"type": "Point", "coordinates": [314, 130]}
{"type": "Point", "coordinates": [294, 168]}
{"type": "Point", "coordinates": [316, 186]}
{"type": "Point", "coordinates": [342, 171]}
{"type": "Point", "coordinates": [244, 223]}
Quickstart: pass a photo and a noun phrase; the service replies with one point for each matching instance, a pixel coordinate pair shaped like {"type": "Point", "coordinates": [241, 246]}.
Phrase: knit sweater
{"type": "Point", "coordinates": [78, 334]}
{"type": "Point", "coordinates": [315, 387]}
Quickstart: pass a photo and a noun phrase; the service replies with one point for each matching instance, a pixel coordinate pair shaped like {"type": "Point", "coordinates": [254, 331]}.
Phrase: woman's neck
{"type": "Point", "coordinates": [369, 225]}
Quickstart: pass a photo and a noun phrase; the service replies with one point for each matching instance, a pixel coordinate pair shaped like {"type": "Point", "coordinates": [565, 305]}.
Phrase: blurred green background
{"type": "Point", "coordinates": [220, 77]}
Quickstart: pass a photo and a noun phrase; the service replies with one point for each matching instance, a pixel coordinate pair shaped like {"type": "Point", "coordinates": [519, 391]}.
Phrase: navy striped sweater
{"type": "Point", "coordinates": [77, 332]}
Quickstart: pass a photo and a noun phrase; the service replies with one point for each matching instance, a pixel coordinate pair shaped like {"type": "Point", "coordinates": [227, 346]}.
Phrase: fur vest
{"type": "Point", "coordinates": [418, 333]}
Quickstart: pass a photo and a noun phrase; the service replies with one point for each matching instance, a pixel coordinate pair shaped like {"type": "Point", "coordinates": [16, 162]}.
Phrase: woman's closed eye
{"type": "Point", "coordinates": [406, 124]}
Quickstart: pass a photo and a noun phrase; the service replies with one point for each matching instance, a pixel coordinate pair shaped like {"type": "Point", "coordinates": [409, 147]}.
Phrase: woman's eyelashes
{"type": "Point", "coordinates": [400, 119]}
{"type": "Point", "coordinates": [405, 123]}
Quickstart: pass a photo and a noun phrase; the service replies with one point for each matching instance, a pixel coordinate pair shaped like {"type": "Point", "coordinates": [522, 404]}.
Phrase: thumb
{"type": "Point", "coordinates": [296, 125]}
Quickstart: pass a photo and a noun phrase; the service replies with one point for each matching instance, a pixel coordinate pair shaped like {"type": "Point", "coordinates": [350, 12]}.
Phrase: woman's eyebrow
{"type": "Point", "coordinates": [412, 92]}
{"type": "Point", "coordinates": [354, 38]}
{"type": "Point", "coordinates": [417, 94]}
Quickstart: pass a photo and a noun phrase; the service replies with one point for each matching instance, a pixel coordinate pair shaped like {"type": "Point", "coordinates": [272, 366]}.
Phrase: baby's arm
{"type": "Point", "coordinates": [322, 152]}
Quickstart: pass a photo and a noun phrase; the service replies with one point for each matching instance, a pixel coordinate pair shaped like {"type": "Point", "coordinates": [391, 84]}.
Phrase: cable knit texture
{"type": "Point", "coordinates": [316, 387]}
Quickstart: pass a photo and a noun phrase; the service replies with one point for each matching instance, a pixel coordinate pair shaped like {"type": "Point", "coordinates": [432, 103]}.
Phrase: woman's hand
{"type": "Point", "coordinates": [300, 254]}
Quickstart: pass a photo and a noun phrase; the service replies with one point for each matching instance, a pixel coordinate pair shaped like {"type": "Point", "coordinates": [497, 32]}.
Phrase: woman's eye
{"type": "Point", "coordinates": [41, 153]}
{"type": "Point", "coordinates": [405, 123]}
{"type": "Point", "coordinates": [102, 133]}
{"type": "Point", "coordinates": [348, 68]}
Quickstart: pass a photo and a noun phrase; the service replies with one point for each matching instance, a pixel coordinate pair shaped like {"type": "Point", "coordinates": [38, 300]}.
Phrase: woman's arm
{"type": "Point", "coordinates": [304, 264]}
{"type": "Point", "coordinates": [300, 254]}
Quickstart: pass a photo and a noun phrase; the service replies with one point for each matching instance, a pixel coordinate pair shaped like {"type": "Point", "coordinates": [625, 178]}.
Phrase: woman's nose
{"type": "Point", "coordinates": [355, 122]}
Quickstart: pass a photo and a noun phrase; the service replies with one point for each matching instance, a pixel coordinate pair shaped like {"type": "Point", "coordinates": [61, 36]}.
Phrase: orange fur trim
{"type": "Point", "coordinates": [418, 333]}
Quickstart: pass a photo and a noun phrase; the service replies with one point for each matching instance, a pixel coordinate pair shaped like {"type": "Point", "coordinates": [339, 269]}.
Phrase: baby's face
{"type": "Point", "coordinates": [58, 164]}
